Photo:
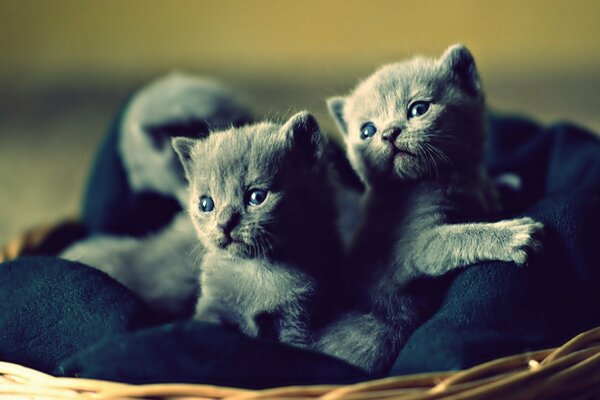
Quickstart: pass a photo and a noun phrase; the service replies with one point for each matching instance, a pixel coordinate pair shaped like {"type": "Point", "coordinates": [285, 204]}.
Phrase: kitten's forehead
{"type": "Point", "coordinates": [238, 153]}
{"type": "Point", "coordinates": [242, 142]}
{"type": "Point", "coordinates": [392, 85]}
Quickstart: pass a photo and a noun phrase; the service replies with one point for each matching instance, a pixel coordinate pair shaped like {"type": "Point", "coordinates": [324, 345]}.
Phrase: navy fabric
{"type": "Point", "coordinates": [204, 353]}
{"type": "Point", "coordinates": [69, 319]}
{"type": "Point", "coordinates": [51, 309]}
{"type": "Point", "coordinates": [109, 204]}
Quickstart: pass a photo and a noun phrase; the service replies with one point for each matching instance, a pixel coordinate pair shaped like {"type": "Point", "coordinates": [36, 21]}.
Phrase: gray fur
{"type": "Point", "coordinates": [362, 339]}
{"type": "Point", "coordinates": [424, 184]}
{"type": "Point", "coordinates": [266, 266]}
{"type": "Point", "coordinates": [162, 269]}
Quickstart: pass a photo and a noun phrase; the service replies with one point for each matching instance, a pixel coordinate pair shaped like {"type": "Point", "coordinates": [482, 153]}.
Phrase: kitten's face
{"type": "Point", "coordinates": [241, 180]}
{"type": "Point", "coordinates": [414, 119]}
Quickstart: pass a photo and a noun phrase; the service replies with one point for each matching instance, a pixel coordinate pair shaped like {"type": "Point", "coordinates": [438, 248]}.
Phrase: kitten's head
{"type": "Point", "coordinates": [249, 185]}
{"type": "Point", "coordinates": [418, 119]}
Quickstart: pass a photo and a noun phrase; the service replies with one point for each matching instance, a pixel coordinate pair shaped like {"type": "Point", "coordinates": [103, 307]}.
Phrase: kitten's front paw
{"type": "Point", "coordinates": [208, 316]}
{"type": "Point", "coordinates": [206, 311]}
{"type": "Point", "coordinates": [523, 239]}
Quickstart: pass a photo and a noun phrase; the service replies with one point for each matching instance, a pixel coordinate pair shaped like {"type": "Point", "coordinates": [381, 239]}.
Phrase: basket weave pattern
{"type": "Point", "coordinates": [571, 371]}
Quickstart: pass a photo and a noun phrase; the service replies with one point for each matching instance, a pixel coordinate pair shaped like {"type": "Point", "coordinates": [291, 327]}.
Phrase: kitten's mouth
{"type": "Point", "coordinates": [227, 242]}
{"type": "Point", "coordinates": [235, 248]}
{"type": "Point", "coordinates": [223, 244]}
{"type": "Point", "coordinates": [401, 152]}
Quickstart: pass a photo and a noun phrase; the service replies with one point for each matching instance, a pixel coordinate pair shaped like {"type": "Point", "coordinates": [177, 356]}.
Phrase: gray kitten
{"type": "Point", "coordinates": [415, 135]}
{"type": "Point", "coordinates": [162, 268]}
{"type": "Point", "coordinates": [262, 205]}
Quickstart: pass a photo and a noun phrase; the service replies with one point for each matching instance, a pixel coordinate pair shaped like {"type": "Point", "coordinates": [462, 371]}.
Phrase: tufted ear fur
{"type": "Point", "coordinates": [302, 132]}
{"type": "Point", "coordinates": [336, 109]}
{"type": "Point", "coordinates": [461, 64]}
{"type": "Point", "coordinates": [184, 148]}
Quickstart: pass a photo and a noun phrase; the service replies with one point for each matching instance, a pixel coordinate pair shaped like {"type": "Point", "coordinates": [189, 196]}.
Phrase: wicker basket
{"type": "Point", "coordinates": [571, 371]}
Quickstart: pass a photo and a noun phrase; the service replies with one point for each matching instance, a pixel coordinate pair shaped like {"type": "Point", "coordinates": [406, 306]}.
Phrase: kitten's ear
{"type": "Point", "coordinates": [336, 109]}
{"type": "Point", "coordinates": [461, 64]}
{"type": "Point", "coordinates": [184, 146]}
{"type": "Point", "coordinates": [302, 132]}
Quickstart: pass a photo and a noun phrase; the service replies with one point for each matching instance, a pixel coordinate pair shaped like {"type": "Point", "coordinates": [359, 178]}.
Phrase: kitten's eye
{"type": "Point", "coordinates": [367, 130]}
{"type": "Point", "coordinates": [206, 204]}
{"type": "Point", "coordinates": [256, 197]}
{"type": "Point", "coordinates": [417, 109]}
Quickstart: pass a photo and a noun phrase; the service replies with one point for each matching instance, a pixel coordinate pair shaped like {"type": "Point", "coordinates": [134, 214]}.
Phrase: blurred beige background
{"type": "Point", "coordinates": [65, 66]}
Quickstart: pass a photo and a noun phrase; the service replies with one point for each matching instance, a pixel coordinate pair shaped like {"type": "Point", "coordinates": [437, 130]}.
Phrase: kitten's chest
{"type": "Point", "coordinates": [399, 216]}
{"type": "Point", "coordinates": [251, 284]}
{"type": "Point", "coordinates": [423, 210]}
{"type": "Point", "coordinates": [393, 229]}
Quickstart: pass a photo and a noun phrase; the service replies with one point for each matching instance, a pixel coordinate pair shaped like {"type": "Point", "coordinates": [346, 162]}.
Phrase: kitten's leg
{"type": "Point", "coordinates": [161, 269]}
{"type": "Point", "coordinates": [362, 340]}
{"type": "Point", "coordinates": [447, 247]}
{"type": "Point", "coordinates": [106, 253]}
{"type": "Point", "coordinates": [293, 329]}
{"type": "Point", "coordinates": [210, 309]}
{"type": "Point", "coordinates": [207, 311]}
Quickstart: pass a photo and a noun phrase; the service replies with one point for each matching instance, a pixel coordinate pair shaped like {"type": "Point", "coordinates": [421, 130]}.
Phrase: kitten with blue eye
{"type": "Point", "coordinates": [261, 202]}
{"type": "Point", "coordinates": [161, 268]}
{"type": "Point", "coordinates": [415, 135]}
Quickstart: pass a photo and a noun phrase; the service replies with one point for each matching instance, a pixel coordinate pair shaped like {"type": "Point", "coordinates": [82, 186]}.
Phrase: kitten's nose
{"type": "Point", "coordinates": [227, 220]}
{"type": "Point", "coordinates": [390, 134]}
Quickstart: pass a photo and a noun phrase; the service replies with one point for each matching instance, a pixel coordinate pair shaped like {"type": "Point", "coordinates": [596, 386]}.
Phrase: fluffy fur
{"type": "Point", "coordinates": [267, 266]}
{"type": "Point", "coordinates": [415, 134]}
{"type": "Point", "coordinates": [162, 268]}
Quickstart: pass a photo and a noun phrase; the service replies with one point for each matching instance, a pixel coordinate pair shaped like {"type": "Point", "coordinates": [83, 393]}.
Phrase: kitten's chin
{"type": "Point", "coordinates": [392, 164]}
{"type": "Point", "coordinates": [235, 249]}
{"type": "Point", "coordinates": [228, 245]}
{"type": "Point", "coordinates": [406, 167]}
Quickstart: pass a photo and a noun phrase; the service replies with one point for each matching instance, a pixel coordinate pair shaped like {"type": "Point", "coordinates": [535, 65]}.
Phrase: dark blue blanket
{"type": "Point", "coordinates": [68, 319]}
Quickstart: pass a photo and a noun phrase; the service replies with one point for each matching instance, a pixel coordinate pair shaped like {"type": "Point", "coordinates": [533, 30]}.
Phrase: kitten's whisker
{"type": "Point", "coordinates": [421, 153]}
{"type": "Point", "coordinates": [263, 241]}
{"type": "Point", "coordinates": [448, 136]}
{"type": "Point", "coordinates": [269, 244]}
{"type": "Point", "coordinates": [433, 166]}
{"type": "Point", "coordinates": [263, 248]}
{"type": "Point", "coordinates": [443, 156]}
{"type": "Point", "coordinates": [435, 151]}
{"type": "Point", "coordinates": [197, 249]}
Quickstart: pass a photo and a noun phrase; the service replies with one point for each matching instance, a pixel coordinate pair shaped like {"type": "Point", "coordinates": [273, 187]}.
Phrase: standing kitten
{"type": "Point", "coordinates": [262, 205]}
{"type": "Point", "coordinates": [415, 135]}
